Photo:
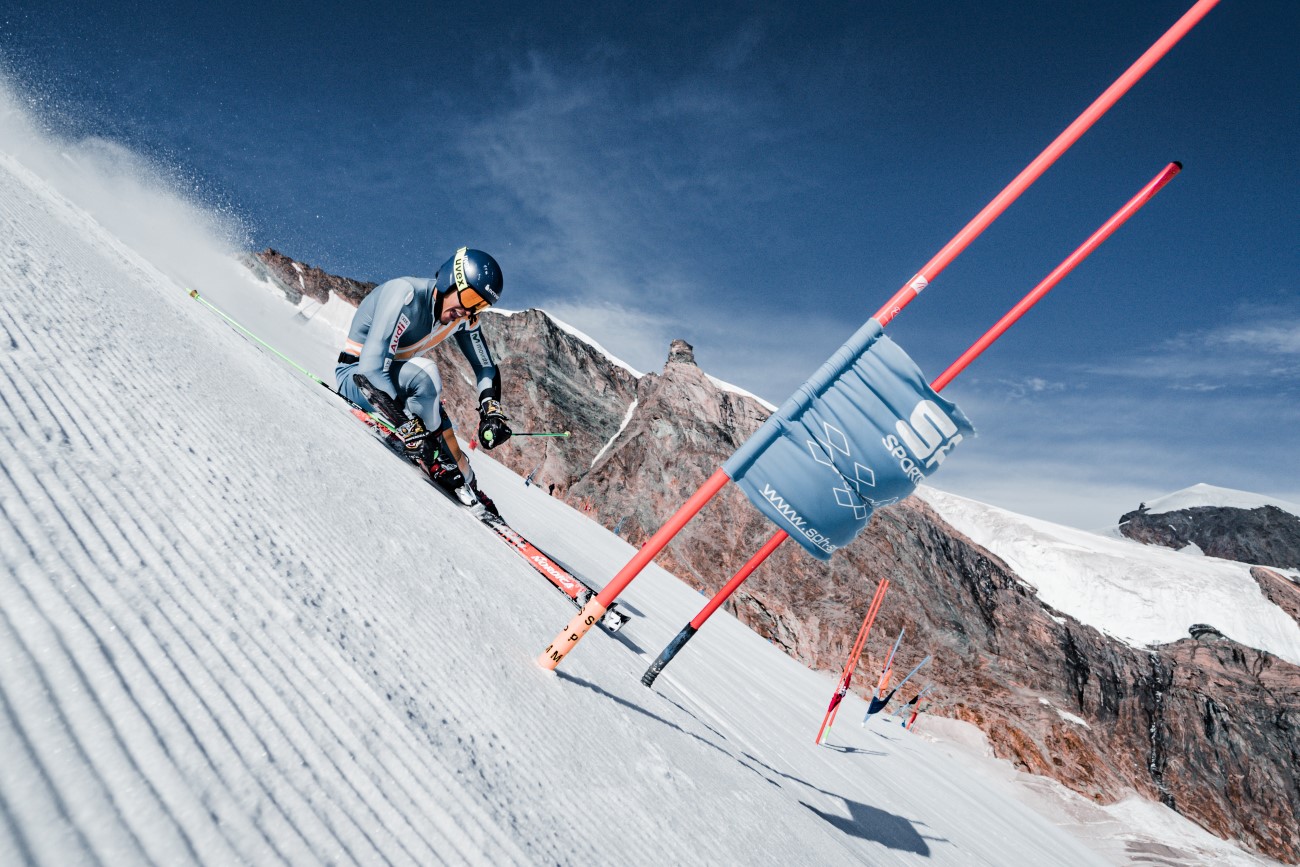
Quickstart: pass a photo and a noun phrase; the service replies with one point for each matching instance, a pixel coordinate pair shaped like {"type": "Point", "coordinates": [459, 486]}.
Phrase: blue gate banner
{"type": "Point", "coordinates": [860, 434]}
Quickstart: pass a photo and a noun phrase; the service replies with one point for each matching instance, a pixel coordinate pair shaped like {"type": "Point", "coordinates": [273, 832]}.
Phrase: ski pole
{"type": "Point", "coordinates": [532, 434]}
{"type": "Point", "coordinates": [194, 293]}
{"type": "Point", "coordinates": [566, 640]}
{"type": "Point", "coordinates": [902, 683]}
{"type": "Point", "coordinates": [689, 630]}
{"type": "Point", "coordinates": [1049, 282]}
{"type": "Point", "coordinates": [914, 701]}
{"type": "Point", "coordinates": [892, 692]}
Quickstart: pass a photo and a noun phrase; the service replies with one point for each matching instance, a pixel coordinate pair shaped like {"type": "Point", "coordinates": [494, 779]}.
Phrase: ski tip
{"type": "Point", "coordinates": [1179, 163]}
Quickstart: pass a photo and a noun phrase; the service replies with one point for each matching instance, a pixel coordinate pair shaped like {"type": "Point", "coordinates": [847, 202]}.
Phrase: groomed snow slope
{"type": "Point", "coordinates": [233, 629]}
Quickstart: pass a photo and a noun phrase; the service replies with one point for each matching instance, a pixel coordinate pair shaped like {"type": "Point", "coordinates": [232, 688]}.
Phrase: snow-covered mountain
{"type": "Point", "coordinates": [1212, 496]}
{"type": "Point", "coordinates": [233, 629]}
{"type": "Point", "coordinates": [1140, 594]}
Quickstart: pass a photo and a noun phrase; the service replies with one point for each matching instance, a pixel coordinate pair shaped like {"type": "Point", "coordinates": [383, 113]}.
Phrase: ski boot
{"type": "Point", "coordinates": [484, 499]}
{"type": "Point", "coordinates": [444, 473]}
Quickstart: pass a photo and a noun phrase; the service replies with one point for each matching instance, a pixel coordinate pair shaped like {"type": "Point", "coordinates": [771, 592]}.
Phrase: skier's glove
{"type": "Point", "coordinates": [493, 426]}
{"type": "Point", "coordinates": [413, 436]}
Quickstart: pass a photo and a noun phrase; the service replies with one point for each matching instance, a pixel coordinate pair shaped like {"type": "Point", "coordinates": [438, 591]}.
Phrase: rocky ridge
{"type": "Point", "coordinates": [297, 279]}
{"type": "Point", "coordinates": [1205, 725]}
{"type": "Point", "coordinates": [1267, 536]}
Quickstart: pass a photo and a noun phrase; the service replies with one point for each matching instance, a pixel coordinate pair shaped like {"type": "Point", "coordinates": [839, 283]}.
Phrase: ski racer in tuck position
{"type": "Point", "coordinates": [393, 329]}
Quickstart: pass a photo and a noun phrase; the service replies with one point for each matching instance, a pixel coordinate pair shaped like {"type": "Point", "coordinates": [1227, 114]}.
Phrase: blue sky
{"type": "Point", "coordinates": [759, 178]}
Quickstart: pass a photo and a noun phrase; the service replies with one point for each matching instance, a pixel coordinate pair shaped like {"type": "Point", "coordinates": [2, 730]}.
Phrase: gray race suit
{"type": "Point", "coordinates": [394, 326]}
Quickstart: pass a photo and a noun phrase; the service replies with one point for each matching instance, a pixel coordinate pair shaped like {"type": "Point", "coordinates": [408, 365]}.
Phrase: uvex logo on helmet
{"type": "Point", "coordinates": [475, 275]}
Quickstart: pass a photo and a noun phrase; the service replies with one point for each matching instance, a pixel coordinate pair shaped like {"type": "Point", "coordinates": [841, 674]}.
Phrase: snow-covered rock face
{"type": "Point", "coordinates": [1202, 494]}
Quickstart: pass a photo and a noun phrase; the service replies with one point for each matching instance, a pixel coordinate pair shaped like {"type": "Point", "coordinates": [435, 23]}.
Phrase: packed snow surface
{"type": "Point", "coordinates": [234, 629]}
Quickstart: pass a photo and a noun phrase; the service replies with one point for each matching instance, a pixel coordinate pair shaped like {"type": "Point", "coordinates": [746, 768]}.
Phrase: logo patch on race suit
{"type": "Point", "coordinates": [402, 324]}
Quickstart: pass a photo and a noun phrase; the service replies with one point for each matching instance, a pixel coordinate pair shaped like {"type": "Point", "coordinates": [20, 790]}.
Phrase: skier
{"type": "Point", "coordinates": [394, 327]}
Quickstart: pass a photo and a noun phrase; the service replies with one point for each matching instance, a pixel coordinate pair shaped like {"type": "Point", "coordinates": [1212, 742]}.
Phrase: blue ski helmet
{"type": "Point", "coordinates": [475, 275]}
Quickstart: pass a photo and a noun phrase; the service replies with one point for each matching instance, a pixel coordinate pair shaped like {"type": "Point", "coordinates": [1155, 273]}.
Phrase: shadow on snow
{"type": "Point", "coordinates": [871, 823]}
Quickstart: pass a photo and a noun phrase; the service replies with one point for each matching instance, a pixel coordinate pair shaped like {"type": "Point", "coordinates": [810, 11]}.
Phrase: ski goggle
{"type": "Point", "coordinates": [471, 300]}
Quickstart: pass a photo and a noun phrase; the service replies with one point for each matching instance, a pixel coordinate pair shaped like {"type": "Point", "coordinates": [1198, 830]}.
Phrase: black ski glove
{"type": "Point", "coordinates": [493, 426]}
{"type": "Point", "coordinates": [413, 435]}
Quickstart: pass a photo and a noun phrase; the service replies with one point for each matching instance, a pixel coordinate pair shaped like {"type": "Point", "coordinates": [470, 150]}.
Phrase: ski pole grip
{"type": "Point", "coordinates": [572, 634]}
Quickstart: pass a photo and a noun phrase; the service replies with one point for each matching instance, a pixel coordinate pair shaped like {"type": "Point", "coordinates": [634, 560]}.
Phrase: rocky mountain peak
{"type": "Point", "coordinates": [681, 352]}
{"type": "Point", "coordinates": [1054, 696]}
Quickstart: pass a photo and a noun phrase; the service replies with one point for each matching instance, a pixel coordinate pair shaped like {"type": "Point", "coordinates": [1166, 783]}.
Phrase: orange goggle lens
{"type": "Point", "coordinates": [472, 301]}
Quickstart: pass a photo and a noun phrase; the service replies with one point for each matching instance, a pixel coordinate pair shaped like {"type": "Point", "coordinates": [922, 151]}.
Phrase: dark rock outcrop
{"type": "Point", "coordinates": [681, 352]}
{"type": "Point", "coordinates": [1267, 536]}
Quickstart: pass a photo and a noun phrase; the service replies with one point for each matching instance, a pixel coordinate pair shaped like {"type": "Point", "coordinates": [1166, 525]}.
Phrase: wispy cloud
{"type": "Point", "coordinates": [1261, 348]}
{"type": "Point", "coordinates": [1083, 454]}
{"type": "Point", "coordinates": [631, 205]}
{"type": "Point", "coordinates": [1030, 386]}
{"type": "Point", "coordinates": [1273, 338]}
{"type": "Point", "coordinates": [1084, 444]}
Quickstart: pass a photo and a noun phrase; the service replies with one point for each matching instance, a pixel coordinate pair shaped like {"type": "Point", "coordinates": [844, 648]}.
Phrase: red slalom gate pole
{"type": "Point", "coordinates": [566, 640]}
{"type": "Point", "coordinates": [1049, 282]}
{"type": "Point", "coordinates": [599, 604]}
{"type": "Point", "coordinates": [689, 630]}
{"type": "Point", "coordinates": [858, 646]}
{"type": "Point", "coordinates": [1035, 295]}
{"type": "Point", "coordinates": [1043, 161]}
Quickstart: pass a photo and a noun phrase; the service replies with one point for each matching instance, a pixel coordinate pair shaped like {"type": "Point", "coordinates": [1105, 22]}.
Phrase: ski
{"type": "Point", "coordinates": [575, 589]}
